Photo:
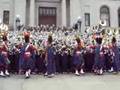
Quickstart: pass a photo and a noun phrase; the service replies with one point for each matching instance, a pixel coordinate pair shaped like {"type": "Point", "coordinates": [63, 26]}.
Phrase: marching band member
{"type": "Point", "coordinates": [99, 56]}
{"type": "Point", "coordinates": [50, 58]}
{"type": "Point", "coordinates": [64, 59]}
{"type": "Point", "coordinates": [115, 56]}
{"type": "Point", "coordinates": [26, 54]}
{"type": "Point", "coordinates": [4, 61]}
{"type": "Point", "coordinates": [78, 60]}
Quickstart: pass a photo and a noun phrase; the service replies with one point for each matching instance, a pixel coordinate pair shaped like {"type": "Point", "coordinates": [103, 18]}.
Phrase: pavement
{"type": "Point", "coordinates": [61, 82]}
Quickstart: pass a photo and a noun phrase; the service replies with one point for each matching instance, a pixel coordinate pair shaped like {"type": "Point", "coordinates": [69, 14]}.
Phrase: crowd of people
{"type": "Point", "coordinates": [49, 50]}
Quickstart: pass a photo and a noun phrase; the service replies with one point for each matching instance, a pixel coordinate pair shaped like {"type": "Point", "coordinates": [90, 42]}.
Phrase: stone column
{"type": "Point", "coordinates": [32, 12]}
{"type": "Point", "coordinates": [11, 20]}
{"type": "Point", "coordinates": [64, 19]}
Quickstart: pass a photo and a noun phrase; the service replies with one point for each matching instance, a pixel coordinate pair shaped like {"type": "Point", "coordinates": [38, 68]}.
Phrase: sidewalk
{"type": "Point", "coordinates": [62, 82]}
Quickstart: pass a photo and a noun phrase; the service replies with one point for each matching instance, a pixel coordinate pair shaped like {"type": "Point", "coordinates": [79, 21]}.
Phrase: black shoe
{"type": "Point", "coordinates": [27, 77]}
{"type": "Point", "coordinates": [51, 75]}
{"type": "Point", "coordinates": [115, 72]}
{"type": "Point", "coordinates": [46, 74]}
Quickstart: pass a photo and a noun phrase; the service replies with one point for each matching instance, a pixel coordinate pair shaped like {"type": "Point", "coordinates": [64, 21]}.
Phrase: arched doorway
{"type": "Point", "coordinates": [105, 14]}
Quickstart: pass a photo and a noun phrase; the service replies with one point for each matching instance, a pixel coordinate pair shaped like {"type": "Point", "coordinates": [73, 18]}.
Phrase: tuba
{"type": "Point", "coordinates": [103, 23]}
{"type": "Point", "coordinates": [3, 28]}
{"type": "Point", "coordinates": [115, 32]}
{"type": "Point", "coordinates": [109, 31]}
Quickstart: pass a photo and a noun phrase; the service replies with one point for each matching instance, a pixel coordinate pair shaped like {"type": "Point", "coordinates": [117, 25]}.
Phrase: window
{"type": "Point", "coordinates": [47, 15]}
{"type": "Point", "coordinates": [47, 11]}
{"type": "Point", "coordinates": [6, 17]}
{"type": "Point", "coordinates": [105, 14]}
{"type": "Point", "coordinates": [119, 17]}
{"type": "Point", "coordinates": [87, 19]}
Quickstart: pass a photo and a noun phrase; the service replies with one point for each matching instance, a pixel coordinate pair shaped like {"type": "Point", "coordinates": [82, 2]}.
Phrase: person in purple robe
{"type": "Point", "coordinates": [99, 57]}
{"type": "Point", "coordinates": [50, 58]}
{"type": "Point", "coordinates": [115, 56]}
{"type": "Point", "coordinates": [26, 55]}
{"type": "Point", "coordinates": [64, 59]}
{"type": "Point", "coordinates": [78, 59]}
{"type": "Point", "coordinates": [4, 61]}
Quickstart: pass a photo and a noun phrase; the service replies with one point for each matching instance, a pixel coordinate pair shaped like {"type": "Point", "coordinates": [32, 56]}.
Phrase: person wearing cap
{"type": "Point", "coordinates": [26, 54]}
{"type": "Point", "coordinates": [115, 56]}
{"type": "Point", "coordinates": [4, 61]}
{"type": "Point", "coordinates": [78, 59]}
{"type": "Point", "coordinates": [99, 56]}
{"type": "Point", "coordinates": [50, 58]}
{"type": "Point", "coordinates": [64, 59]}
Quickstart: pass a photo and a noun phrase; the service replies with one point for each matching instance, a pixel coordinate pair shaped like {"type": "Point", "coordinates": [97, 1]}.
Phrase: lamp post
{"type": "Point", "coordinates": [79, 23]}
{"type": "Point", "coordinates": [17, 22]}
{"type": "Point", "coordinates": [0, 21]}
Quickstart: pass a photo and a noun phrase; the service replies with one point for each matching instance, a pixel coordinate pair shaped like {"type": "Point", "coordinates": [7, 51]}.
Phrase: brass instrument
{"type": "Point", "coordinates": [107, 32]}
{"type": "Point", "coordinates": [3, 28]}
{"type": "Point", "coordinates": [115, 32]}
{"type": "Point", "coordinates": [102, 23]}
{"type": "Point", "coordinates": [119, 31]}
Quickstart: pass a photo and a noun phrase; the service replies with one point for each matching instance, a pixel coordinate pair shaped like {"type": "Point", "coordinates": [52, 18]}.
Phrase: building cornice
{"type": "Point", "coordinates": [48, 1]}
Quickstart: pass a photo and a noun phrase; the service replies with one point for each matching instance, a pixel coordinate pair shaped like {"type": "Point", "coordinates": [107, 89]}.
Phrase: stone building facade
{"type": "Point", "coordinates": [60, 12]}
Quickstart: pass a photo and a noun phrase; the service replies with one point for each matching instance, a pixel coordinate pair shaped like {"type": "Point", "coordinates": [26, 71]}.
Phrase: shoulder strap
{"type": "Point", "coordinates": [101, 47]}
{"type": "Point", "coordinates": [26, 48]}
